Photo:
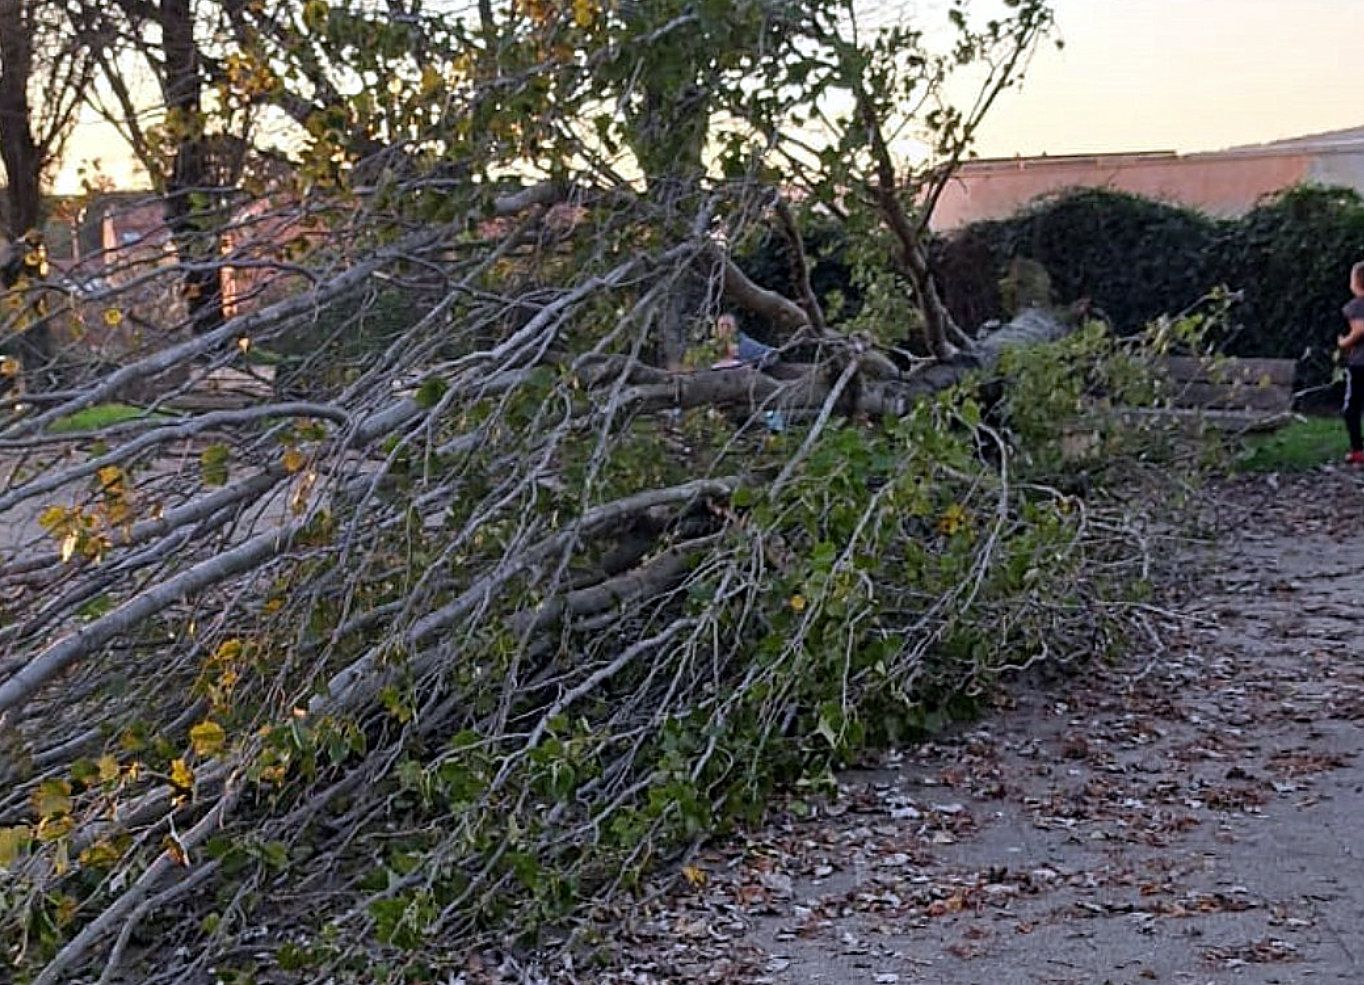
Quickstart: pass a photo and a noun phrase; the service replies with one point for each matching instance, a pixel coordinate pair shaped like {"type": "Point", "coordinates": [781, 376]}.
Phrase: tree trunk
{"type": "Point", "coordinates": [23, 160]}
{"type": "Point", "coordinates": [191, 192]}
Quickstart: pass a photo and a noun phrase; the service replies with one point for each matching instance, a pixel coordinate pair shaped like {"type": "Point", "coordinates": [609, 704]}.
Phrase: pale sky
{"type": "Point", "coordinates": [1184, 75]}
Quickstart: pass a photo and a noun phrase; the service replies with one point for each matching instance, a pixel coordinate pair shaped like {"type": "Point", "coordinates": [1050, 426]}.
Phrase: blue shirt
{"type": "Point", "coordinates": [750, 350]}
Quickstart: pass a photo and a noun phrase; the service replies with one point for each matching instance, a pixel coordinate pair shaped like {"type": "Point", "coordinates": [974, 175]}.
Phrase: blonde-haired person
{"type": "Point", "coordinates": [741, 349]}
{"type": "Point", "coordinates": [1352, 351]}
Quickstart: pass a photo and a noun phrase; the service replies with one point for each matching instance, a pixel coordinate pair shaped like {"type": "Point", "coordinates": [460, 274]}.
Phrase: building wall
{"type": "Point", "coordinates": [1223, 185]}
{"type": "Point", "coordinates": [1342, 168]}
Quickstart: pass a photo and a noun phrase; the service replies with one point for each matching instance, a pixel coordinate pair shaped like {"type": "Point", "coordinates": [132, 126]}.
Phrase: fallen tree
{"type": "Point", "coordinates": [501, 613]}
{"type": "Point", "coordinates": [506, 608]}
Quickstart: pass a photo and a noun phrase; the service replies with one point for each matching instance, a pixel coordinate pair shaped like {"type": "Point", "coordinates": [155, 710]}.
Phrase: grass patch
{"type": "Point", "coordinates": [1298, 447]}
{"type": "Point", "coordinates": [102, 416]}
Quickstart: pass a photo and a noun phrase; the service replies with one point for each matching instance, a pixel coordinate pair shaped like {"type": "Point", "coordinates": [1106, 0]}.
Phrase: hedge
{"type": "Point", "coordinates": [1137, 259]}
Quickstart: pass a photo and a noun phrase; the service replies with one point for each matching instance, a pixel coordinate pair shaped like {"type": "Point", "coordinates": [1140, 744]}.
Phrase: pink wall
{"type": "Point", "coordinates": [1222, 184]}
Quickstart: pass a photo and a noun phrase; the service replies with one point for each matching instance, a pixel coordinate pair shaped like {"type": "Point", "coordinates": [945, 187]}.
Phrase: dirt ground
{"type": "Point", "coordinates": [1191, 816]}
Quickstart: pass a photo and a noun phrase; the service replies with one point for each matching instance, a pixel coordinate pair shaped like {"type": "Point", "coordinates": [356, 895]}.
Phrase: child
{"type": "Point", "coordinates": [1353, 353]}
{"type": "Point", "coordinates": [741, 349]}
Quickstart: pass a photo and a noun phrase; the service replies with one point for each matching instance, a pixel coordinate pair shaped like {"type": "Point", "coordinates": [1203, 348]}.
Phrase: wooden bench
{"type": "Point", "coordinates": [1258, 388]}
{"type": "Point", "coordinates": [228, 388]}
{"type": "Point", "coordinates": [1226, 394]}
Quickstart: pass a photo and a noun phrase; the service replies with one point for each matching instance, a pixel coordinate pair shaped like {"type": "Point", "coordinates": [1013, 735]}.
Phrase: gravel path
{"type": "Point", "coordinates": [1195, 816]}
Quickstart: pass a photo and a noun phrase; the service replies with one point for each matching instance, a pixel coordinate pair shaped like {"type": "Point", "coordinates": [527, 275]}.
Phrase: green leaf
{"type": "Point", "coordinates": [275, 854]}
{"type": "Point", "coordinates": [213, 464]}
{"type": "Point", "coordinates": [429, 394]}
{"type": "Point", "coordinates": [96, 607]}
{"type": "Point", "coordinates": [826, 729]}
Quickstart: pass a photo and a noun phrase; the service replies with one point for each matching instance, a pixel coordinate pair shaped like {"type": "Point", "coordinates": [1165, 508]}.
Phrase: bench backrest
{"type": "Point", "coordinates": [1225, 383]}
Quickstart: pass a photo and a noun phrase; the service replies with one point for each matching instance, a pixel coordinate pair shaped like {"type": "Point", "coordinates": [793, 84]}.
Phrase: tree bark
{"type": "Point", "coordinates": [191, 190]}
{"type": "Point", "coordinates": [24, 161]}
{"type": "Point", "coordinates": [940, 330]}
{"type": "Point", "coordinates": [18, 146]}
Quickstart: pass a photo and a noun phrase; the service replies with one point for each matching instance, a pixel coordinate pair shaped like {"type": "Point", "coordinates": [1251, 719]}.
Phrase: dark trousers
{"type": "Point", "coordinates": [1354, 405]}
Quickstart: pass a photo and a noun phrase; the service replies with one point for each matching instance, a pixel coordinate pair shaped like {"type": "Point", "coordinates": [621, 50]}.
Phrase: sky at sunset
{"type": "Point", "coordinates": [1186, 75]}
{"type": "Point", "coordinates": [1182, 75]}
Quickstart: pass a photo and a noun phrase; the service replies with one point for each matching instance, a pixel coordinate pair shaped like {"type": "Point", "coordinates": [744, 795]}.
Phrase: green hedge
{"type": "Point", "coordinates": [1137, 259]}
{"type": "Point", "coordinates": [1288, 261]}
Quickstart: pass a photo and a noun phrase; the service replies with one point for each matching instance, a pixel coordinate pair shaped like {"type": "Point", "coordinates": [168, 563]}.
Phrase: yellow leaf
{"type": "Point", "coordinates": [67, 905]}
{"type": "Point", "coordinates": [9, 366]}
{"type": "Point", "coordinates": [298, 502]}
{"type": "Point", "coordinates": [54, 828]}
{"type": "Point", "coordinates": [207, 738]}
{"type": "Point", "coordinates": [53, 797]}
{"type": "Point", "coordinates": [181, 776]}
{"type": "Point", "coordinates": [584, 12]}
{"type": "Point", "coordinates": [110, 477]}
{"type": "Point", "coordinates": [95, 546]}
{"type": "Point", "coordinates": [69, 545]}
{"type": "Point", "coordinates": [294, 461]}
{"type": "Point", "coordinates": [113, 317]}
{"type": "Point", "coordinates": [244, 344]}
{"type": "Point", "coordinates": [102, 854]}
{"type": "Point", "coordinates": [696, 876]}
{"type": "Point", "coordinates": [315, 15]}
{"type": "Point", "coordinates": [213, 464]}
{"type": "Point", "coordinates": [797, 603]}
{"type": "Point", "coordinates": [430, 80]}
{"type": "Point", "coordinates": [953, 519]}
{"type": "Point", "coordinates": [13, 843]}
{"type": "Point", "coordinates": [228, 650]}
{"type": "Point", "coordinates": [175, 850]}
{"type": "Point", "coordinates": [52, 518]}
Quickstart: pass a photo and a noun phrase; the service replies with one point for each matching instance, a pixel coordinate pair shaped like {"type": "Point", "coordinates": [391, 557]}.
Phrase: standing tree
{"type": "Point", "coordinates": [191, 170]}
{"type": "Point", "coordinates": [43, 80]}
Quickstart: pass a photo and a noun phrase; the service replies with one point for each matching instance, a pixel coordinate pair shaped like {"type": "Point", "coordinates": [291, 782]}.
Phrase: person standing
{"type": "Point", "coordinates": [1351, 345]}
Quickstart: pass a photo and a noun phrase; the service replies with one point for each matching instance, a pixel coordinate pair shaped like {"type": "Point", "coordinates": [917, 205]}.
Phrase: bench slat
{"type": "Point", "coordinates": [1187, 369]}
{"type": "Point", "coordinates": [1224, 396]}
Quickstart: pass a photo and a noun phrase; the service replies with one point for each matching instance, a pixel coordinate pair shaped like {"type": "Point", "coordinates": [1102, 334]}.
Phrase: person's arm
{"type": "Point", "coordinates": [1354, 335]}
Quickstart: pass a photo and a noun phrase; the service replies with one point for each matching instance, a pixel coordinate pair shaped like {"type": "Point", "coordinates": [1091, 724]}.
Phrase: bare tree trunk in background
{"type": "Point", "coordinates": [191, 193]}
{"type": "Point", "coordinates": [23, 158]}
